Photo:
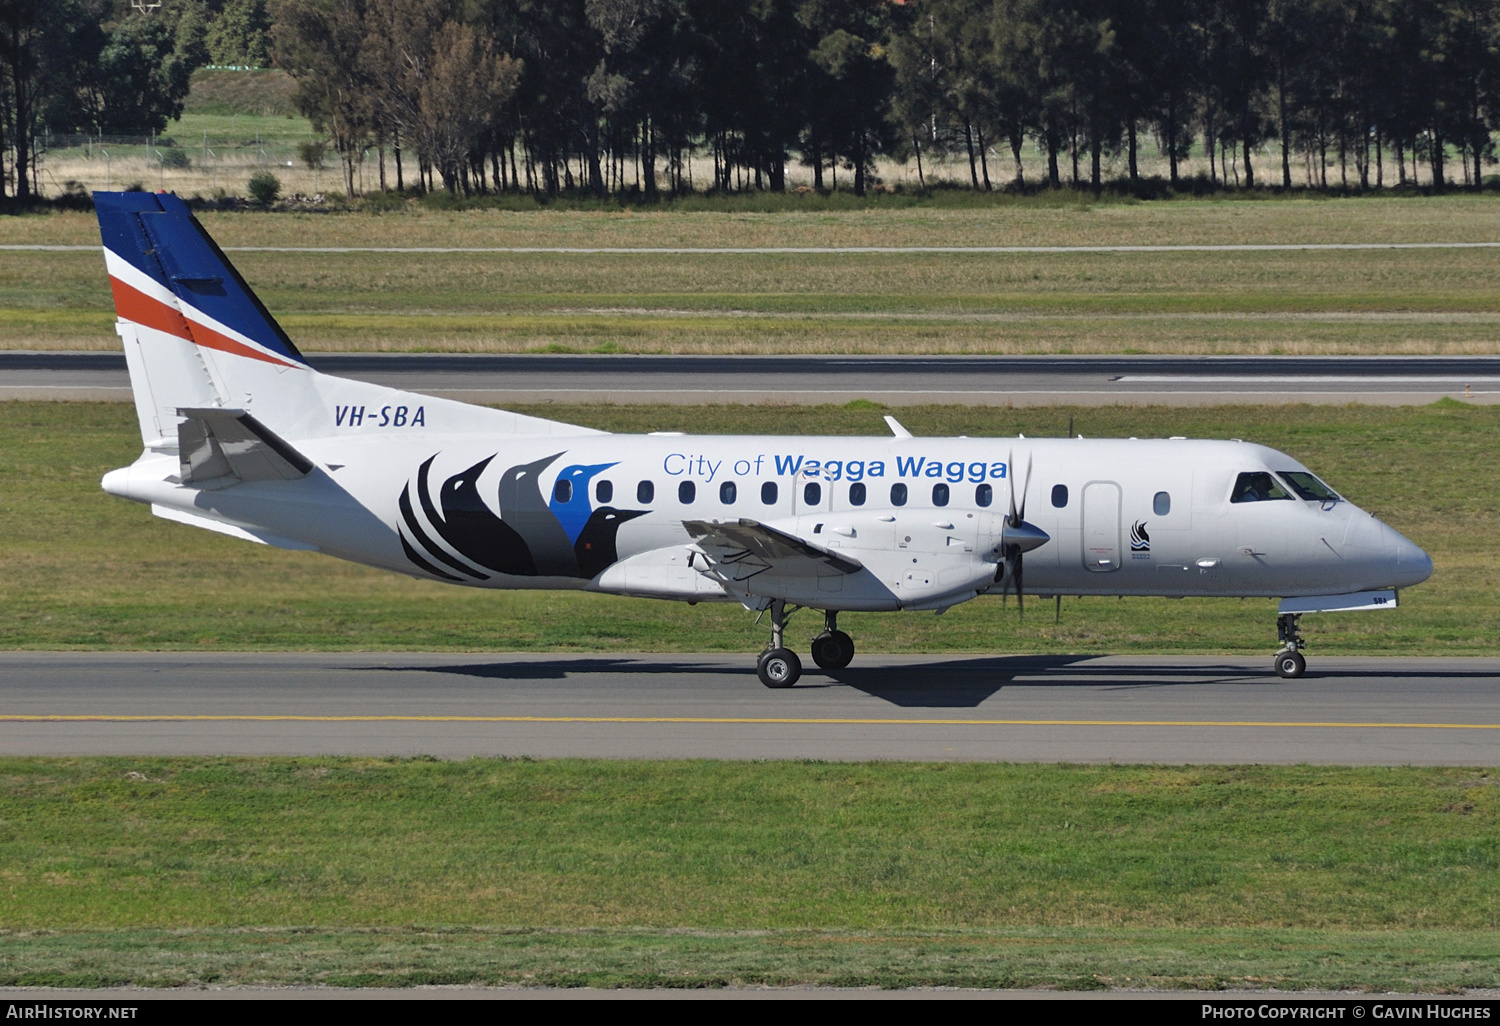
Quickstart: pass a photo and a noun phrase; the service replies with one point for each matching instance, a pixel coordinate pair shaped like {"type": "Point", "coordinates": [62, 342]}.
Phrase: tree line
{"type": "Point", "coordinates": [621, 96]}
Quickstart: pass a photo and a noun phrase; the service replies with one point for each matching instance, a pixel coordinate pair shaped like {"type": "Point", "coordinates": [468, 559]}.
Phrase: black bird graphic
{"type": "Point", "coordinates": [595, 547]}
{"type": "Point", "coordinates": [470, 527]}
{"type": "Point", "coordinates": [522, 506]}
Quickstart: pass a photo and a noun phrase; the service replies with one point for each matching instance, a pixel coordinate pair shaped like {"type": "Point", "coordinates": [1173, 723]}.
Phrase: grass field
{"type": "Point", "coordinates": [80, 569]}
{"type": "Point", "coordinates": [366, 871]}
{"type": "Point", "coordinates": [1442, 301]}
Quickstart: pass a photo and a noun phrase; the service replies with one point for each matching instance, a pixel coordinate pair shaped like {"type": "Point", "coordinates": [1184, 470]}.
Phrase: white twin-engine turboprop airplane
{"type": "Point", "coordinates": [243, 437]}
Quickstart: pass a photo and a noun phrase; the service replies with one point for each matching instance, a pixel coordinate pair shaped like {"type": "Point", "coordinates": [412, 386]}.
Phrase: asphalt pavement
{"type": "Point", "coordinates": [810, 380]}
{"type": "Point", "coordinates": [1167, 709]}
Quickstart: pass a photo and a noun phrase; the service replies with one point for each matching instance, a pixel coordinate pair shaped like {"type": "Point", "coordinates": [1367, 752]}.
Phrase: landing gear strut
{"type": "Point", "coordinates": [778, 666]}
{"type": "Point", "coordinates": [1289, 660]}
{"type": "Point", "coordinates": [833, 649]}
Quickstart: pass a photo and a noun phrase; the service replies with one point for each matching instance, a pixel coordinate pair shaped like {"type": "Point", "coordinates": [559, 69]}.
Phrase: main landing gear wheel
{"type": "Point", "coordinates": [832, 650]}
{"type": "Point", "coordinates": [1290, 665]}
{"type": "Point", "coordinates": [778, 668]}
{"type": "Point", "coordinates": [1289, 661]}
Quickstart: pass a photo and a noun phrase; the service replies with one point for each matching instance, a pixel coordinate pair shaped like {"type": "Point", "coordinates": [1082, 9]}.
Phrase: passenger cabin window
{"type": "Point", "coordinates": [1059, 496]}
{"type": "Point", "coordinates": [812, 493]}
{"type": "Point", "coordinates": [562, 491]}
{"type": "Point", "coordinates": [1309, 487]}
{"type": "Point", "coordinates": [1257, 487]}
{"type": "Point", "coordinates": [686, 492]}
{"type": "Point", "coordinates": [768, 493]}
{"type": "Point", "coordinates": [604, 491]}
{"type": "Point", "coordinates": [940, 495]}
{"type": "Point", "coordinates": [898, 495]}
{"type": "Point", "coordinates": [728, 492]}
{"type": "Point", "coordinates": [1161, 504]}
{"type": "Point", "coordinates": [984, 495]}
{"type": "Point", "coordinates": [645, 491]}
{"type": "Point", "coordinates": [857, 494]}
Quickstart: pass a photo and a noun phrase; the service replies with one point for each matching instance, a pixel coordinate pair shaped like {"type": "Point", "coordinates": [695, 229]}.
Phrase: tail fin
{"type": "Point", "coordinates": [196, 337]}
{"type": "Point", "coordinates": [179, 302]}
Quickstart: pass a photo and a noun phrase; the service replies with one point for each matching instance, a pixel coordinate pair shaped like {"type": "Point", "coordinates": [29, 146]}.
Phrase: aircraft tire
{"type": "Point", "coordinates": [832, 650]}
{"type": "Point", "coordinates": [1290, 665]}
{"type": "Point", "coordinates": [778, 668]}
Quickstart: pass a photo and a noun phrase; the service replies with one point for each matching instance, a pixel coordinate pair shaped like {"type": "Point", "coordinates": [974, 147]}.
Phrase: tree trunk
{"type": "Point", "coordinates": [22, 125]}
{"type": "Point", "coordinates": [1437, 159]}
{"type": "Point", "coordinates": [817, 155]}
{"type": "Point", "coordinates": [860, 159]}
{"type": "Point", "coordinates": [1172, 135]}
{"type": "Point", "coordinates": [1053, 178]}
{"type": "Point", "coordinates": [396, 148]}
{"type": "Point", "coordinates": [1286, 133]}
{"type": "Point", "coordinates": [1135, 174]}
{"type": "Point", "coordinates": [969, 142]}
{"type": "Point", "coordinates": [1095, 150]}
{"type": "Point", "coordinates": [648, 157]}
{"type": "Point", "coordinates": [916, 145]}
{"type": "Point", "coordinates": [984, 163]}
{"type": "Point", "coordinates": [1211, 146]}
{"type": "Point", "coordinates": [1249, 168]}
{"type": "Point", "coordinates": [1017, 140]}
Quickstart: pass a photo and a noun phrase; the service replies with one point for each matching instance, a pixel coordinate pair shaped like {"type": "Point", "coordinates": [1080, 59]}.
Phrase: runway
{"type": "Point", "coordinates": [1166, 709]}
{"type": "Point", "coordinates": [811, 380]}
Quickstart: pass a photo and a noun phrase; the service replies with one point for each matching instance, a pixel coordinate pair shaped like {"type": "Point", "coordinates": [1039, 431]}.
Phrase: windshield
{"type": "Point", "coordinates": [1309, 487]}
{"type": "Point", "coordinates": [1257, 487]}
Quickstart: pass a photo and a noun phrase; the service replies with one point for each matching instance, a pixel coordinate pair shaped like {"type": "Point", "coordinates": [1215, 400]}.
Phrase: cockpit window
{"type": "Point", "coordinates": [1309, 487]}
{"type": "Point", "coordinates": [1257, 487]}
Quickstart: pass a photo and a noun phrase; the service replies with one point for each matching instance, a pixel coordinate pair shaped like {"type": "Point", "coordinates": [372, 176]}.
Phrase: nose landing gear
{"type": "Point", "coordinates": [1289, 660]}
{"type": "Point", "coordinates": [833, 649]}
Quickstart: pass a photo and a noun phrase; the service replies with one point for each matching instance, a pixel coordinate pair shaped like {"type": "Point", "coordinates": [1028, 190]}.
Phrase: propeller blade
{"type": "Point", "coordinates": [1025, 489]}
{"type": "Point", "coordinates": [1010, 475]}
{"type": "Point", "coordinates": [1020, 596]}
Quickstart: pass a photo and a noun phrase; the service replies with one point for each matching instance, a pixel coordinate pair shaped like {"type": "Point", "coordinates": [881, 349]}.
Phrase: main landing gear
{"type": "Point", "coordinates": [833, 649]}
{"type": "Point", "coordinates": [779, 666]}
{"type": "Point", "coordinates": [1289, 660]}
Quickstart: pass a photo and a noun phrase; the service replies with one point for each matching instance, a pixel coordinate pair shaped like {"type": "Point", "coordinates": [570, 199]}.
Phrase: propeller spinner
{"type": "Point", "coordinates": [1018, 537]}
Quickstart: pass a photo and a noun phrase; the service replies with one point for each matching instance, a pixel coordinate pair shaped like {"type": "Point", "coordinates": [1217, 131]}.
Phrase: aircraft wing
{"type": "Point", "coordinates": [755, 548]}
{"type": "Point", "coordinates": [217, 443]}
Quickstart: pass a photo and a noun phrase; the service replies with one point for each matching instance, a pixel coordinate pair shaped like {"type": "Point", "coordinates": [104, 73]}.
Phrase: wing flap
{"type": "Point", "coordinates": [758, 546]}
{"type": "Point", "coordinates": [214, 443]}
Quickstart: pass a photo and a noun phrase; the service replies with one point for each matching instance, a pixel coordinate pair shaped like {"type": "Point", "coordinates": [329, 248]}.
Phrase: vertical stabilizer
{"type": "Point", "coordinates": [197, 338]}
{"type": "Point", "coordinates": [185, 316]}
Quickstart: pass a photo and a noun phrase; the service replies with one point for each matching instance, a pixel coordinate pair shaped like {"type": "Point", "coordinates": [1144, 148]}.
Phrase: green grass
{"type": "Point", "coordinates": [1292, 302]}
{"type": "Point", "coordinates": [1445, 301]}
{"type": "Point", "coordinates": [370, 871]}
{"type": "Point", "coordinates": [80, 569]}
{"type": "Point", "coordinates": [265, 93]}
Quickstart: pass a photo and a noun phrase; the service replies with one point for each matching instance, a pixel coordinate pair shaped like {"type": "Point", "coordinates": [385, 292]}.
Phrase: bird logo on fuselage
{"type": "Point", "coordinates": [461, 538]}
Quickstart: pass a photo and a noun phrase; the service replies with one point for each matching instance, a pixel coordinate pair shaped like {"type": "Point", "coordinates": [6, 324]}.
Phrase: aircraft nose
{"type": "Point", "coordinates": [1412, 565]}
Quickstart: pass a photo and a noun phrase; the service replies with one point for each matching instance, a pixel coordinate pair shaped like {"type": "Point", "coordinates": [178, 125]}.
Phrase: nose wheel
{"type": "Point", "coordinates": [1290, 663]}
{"type": "Point", "coordinates": [778, 666]}
{"type": "Point", "coordinates": [833, 649]}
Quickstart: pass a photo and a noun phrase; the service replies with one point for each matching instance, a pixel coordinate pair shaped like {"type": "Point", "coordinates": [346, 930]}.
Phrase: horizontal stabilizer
{"type": "Point", "coordinates": [213, 443]}
{"type": "Point", "coordinates": [220, 527]}
{"type": "Point", "coordinates": [749, 541]}
{"type": "Point", "coordinates": [1340, 603]}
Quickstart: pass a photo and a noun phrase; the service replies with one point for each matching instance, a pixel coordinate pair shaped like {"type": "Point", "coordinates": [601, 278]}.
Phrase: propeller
{"type": "Point", "coordinates": [1018, 537]}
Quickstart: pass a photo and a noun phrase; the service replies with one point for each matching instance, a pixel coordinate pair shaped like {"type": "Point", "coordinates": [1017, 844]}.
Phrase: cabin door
{"type": "Point", "coordinates": [1101, 526]}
